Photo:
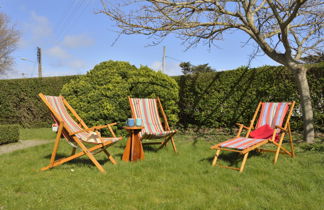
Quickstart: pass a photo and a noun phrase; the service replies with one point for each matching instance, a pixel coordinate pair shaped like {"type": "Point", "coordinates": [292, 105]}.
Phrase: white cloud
{"type": "Point", "coordinates": [39, 26]}
{"type": "Point", "coordinates": [59, 57]}
{"type": "Point", "coordinates": [58, 52]}
{"type": "Point", "coordinates": [76, 41]}
{"type": "Point", "coordinates": [76, 64]}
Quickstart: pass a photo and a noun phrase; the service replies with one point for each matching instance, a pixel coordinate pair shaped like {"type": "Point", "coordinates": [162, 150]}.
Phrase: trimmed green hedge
{"type": "Point", "coordinates": [206, 100]}
{"type": "Point", "coordinates": [9, 134]}
{"type": "Point", "coordinates": [220, 99]}
{"type": "Point", "coordinates": [20, 104]}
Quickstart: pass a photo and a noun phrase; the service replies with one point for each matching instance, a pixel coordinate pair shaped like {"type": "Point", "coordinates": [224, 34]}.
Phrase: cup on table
{"type": "Point", "coordinates": [138, 122]}
{"type": "Point", "coordinates": [130, 122]}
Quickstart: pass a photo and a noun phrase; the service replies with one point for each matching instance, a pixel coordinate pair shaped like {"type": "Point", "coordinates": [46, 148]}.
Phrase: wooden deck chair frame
{"type": "Point", "coordinates": [279, 147]}
{"type": "Point", "coordinates": [166, 126]}
{"type": "Point", "coordinates": [89, 152]}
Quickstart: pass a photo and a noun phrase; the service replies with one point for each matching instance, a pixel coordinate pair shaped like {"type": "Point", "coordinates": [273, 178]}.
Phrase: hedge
{"type": "Point", "coordinates": [220, 99]}
{"type": "Point", "coordinates": [20, 104]}
{"type": "Point", "coordinates": [9, 134]}
{"type": "Point", "coordinates": [210, 99]}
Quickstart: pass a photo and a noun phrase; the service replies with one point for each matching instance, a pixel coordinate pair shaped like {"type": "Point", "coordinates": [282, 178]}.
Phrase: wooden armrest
{"type": "Point", "coordinates": [243, 126]}
{"type": "Point", "coordinates": [98, 127]}
{"type": "Point", "coordinates": [281, 128]}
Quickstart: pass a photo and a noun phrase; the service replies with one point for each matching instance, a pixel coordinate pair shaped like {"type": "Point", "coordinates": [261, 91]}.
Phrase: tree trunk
{"type": "Point", "coordinates": [305, 102]}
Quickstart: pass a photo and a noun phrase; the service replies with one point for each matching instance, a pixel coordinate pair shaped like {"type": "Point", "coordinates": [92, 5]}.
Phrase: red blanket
{"type": "Point", "coordinates": [263, 132]}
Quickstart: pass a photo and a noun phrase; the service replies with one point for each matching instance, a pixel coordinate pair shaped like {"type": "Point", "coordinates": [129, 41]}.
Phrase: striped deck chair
{"type": "Point", "coordinates": [76, 134]}
{"type": "Point", "coordinates": [273, 115]}
{"type": "Point", "coordinates": [148, 110]}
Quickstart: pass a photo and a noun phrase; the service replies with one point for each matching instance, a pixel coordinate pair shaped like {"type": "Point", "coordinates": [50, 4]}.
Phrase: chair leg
{"type": "Point", "coordinates": [292, 150]}
{"type": "Point", "coordinates": [110, 157]}
{"type": "Point", "coordinates": [163, 144]}
{"type": "Point", "coordinates": [90, 155]}
{"type": "Point", "coordinates": [56, 145]}
{"type": "Point", "coordinates": [173, 145]}
{"type": "Point", "coordinates": [278, 150]}
{"type": "Point", "coordinates": [216, 157]}
{"type": "Point", "coordinates": [243, 162]}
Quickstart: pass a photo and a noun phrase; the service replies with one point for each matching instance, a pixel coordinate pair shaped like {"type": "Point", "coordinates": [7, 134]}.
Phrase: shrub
{"type": "Point", "coordinates": [100, 96]}
{"type": "Point", "coordinates": [9, 134]}
{"type": "Point", "coordinates": [20, 104]}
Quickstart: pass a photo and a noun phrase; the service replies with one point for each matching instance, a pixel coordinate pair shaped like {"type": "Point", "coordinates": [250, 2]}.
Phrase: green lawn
{"type": "Point", "coordinates": [164, 180]}
{"type": "Point", "coordinates": [36, 134]}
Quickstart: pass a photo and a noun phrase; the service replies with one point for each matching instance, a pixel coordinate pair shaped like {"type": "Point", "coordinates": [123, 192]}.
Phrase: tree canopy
{"type": "Point", "coordinates": [285, 30]}
{"type": "Point", "coordinates": [8, 40]}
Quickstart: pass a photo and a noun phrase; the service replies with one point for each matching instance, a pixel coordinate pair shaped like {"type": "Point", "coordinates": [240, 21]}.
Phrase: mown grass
{"type": "Point", "coordinates": [36, 134]}
{"type": "Point", "coordinates": [164, 180]}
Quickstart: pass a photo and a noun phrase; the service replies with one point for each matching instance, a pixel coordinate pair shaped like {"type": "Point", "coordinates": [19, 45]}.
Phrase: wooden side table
{"type": "Point", "coordinates": [134, 149]}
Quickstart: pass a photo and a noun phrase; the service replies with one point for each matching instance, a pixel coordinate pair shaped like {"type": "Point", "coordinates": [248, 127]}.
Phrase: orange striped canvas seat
{"type": "Point", "coordinates": [272, 114]}
{"type": "Point", "coordinates": [272, 124]}
{"type": "Point", "coordinates": [240, 143]}
{"type": "Point", "coordinates": [147, 110]}
{"type": "Point", "coordinates": [59, 107]}
{"type": "Point", "coordinates": [76, 133]}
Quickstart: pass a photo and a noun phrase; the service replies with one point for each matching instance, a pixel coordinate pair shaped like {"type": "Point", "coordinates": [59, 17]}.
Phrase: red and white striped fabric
{"type": "Point", "coordinates": [240, 143]}
{"type": "Point", "coordinates": [146, 109]}
{"type": "Point", "coordinates": [59, 108]}
{"type": "Point", "coordinates": [272, 114]}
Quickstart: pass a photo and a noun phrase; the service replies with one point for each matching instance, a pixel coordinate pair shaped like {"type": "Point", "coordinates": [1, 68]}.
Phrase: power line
{"type": "Point", "coordinates": [77, 9]}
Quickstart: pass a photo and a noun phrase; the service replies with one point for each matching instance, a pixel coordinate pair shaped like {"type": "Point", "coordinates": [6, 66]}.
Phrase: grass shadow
{"type": "Point", "coordinates": [231, 158]}
{"type": "Point", "coordinates": [83, 160]}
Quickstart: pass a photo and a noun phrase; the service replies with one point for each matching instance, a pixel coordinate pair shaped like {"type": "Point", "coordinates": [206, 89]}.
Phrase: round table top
{"type": "Point", "coordinates": [133, 127]}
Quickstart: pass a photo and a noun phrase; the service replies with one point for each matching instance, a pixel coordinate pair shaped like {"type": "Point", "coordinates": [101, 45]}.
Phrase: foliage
{"type": "Point", "coordinates": [220, 99]}
{"type": "Point", "coordinates": [187, 68]}
{"type": "Point", "coordinates": [280, 28]}
{"type": "Point", "coordinates": [9, 134]}
{"type": "Point", "coordinates": [20, 104]}
{"type": "Point", "coordinates": [100, 96]}
{"type": "Point", "coordinates": [210, 99]}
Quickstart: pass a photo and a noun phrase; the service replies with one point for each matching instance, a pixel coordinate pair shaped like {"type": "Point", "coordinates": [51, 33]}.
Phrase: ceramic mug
{"type": "Point", "coordinates": [138, 122]}
{"type": "Point", "coordinates": [130, 122]}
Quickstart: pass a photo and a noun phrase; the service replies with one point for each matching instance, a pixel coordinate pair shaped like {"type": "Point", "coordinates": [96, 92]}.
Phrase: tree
{"type": "Point", "coordinates": [317, 58]}
{"type": "Point", "coordinates": [187, 68]}
{"type": "Point", "coordinates": [8, 41]}
{"type": "Point", "coordinates": [285, 30]}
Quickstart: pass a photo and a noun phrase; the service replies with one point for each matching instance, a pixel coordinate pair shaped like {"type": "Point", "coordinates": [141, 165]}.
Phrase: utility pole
{"type": "Point", "coordinates": [39, 60]}
{"type": "Point", "coordinates": [163, 60]}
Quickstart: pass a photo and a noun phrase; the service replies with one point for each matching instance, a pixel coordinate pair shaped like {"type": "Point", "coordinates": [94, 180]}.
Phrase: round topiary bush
{"type": "Point", "coordinates": [100, 96]}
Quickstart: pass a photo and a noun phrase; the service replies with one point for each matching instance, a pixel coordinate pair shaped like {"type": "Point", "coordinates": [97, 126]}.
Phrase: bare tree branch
{"type": "Point", "coordinates": [8, 41]}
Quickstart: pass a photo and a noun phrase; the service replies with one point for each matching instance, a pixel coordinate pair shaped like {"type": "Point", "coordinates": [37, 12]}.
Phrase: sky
{"type": "Point", "coordinates": [74, 38]}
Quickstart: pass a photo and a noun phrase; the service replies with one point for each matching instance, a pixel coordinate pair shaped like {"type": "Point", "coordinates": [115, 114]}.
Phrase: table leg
{"type": "Point", "coordinates": [127, 151]}
{"type": "Point", "coordinates": [138, 152]}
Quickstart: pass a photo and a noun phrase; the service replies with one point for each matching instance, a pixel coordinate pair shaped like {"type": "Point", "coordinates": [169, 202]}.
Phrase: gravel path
{"type": "Point", "coordinates": [21, 144]}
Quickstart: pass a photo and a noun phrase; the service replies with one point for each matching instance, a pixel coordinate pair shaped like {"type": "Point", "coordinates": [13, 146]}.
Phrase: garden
{"type": "Point", "coordinates": [202, 105]}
